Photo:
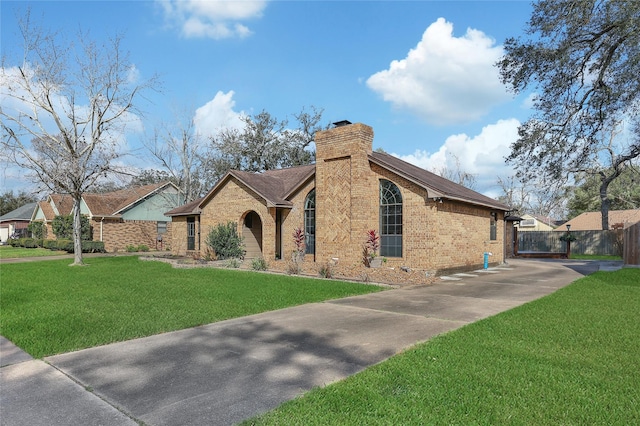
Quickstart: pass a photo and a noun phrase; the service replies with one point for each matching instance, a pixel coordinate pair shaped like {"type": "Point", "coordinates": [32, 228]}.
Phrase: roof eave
{"type": "Point", "coordinates": [434, 193]}
{"type": "Point", "coordinates": [303, 182]}
{"type": "Point", "coordinates": [150, 193]}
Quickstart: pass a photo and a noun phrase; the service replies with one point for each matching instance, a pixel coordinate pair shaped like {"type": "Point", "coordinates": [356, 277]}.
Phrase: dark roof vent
{"type": "Point", "coordinates": [341, 123]}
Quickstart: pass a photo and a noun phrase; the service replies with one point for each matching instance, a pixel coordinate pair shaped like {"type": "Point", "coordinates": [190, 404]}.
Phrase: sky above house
{"type": "Point", "coordinates": [421, 73]}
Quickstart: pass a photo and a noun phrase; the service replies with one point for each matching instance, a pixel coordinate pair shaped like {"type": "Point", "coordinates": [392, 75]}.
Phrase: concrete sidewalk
{"type": "Point", "coordinates": [226, 372]}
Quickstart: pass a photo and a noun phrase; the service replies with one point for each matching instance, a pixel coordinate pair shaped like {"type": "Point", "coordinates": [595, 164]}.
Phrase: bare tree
{"type": "Point", "coordinates": [539, 197]}
{"type": "Point", "coordinates": [176, 148]}
{"type": "Point", "coordinates": [456, 174]}
{"type": "Point", "coordinates": [65, 110]}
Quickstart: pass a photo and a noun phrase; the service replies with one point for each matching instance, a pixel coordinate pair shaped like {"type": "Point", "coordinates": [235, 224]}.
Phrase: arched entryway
{"type": "Point", "coordinates": [252, 234]}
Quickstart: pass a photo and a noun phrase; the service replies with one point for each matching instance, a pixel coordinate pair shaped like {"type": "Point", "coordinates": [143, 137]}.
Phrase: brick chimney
{"type": "Point", "coordinates": [343, 201]}
{"type": "Point", "coordinates": [344, 140]}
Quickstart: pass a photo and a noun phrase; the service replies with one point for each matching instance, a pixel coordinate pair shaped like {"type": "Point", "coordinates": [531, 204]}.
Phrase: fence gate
{"type": "Point", "coordinates": [587, 242]}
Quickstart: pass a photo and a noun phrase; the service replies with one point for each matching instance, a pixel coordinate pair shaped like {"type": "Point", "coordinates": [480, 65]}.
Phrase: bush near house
{"type": "Point", "coordinates": [225, 241]}
{"type": "Point", "coordinates": [62, 226]}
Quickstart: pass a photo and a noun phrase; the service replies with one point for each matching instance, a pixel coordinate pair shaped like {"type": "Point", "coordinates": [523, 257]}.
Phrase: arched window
{"type": "Point", "coordinates": [390, 219]}
{"type": "Point", "coordinates": [310, 223]}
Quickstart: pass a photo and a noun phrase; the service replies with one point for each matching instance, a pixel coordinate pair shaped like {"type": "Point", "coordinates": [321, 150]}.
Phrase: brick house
{"type": "Point", "coordinates": [424, 221]}
{"type": "Point", "coordinates": [16, 222]}
{"type": "Point", "coordinates": [131, 216]}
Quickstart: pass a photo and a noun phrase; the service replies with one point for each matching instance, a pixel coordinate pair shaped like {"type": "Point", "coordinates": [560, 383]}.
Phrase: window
{"type": "Point", "coordinates": [493, 227]}
{"type": "Point", "coordinates": [390, 219]}
{"type": "Point", "coordinates": [310, 223]}
{"type": "Point", "coordinates": [162, 228]}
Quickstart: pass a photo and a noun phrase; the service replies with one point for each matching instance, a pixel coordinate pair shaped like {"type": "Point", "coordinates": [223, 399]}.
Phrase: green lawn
{"type": "Point", "coordinates": [594, 257]}
{"type": "Point", "coordinates": [571, 358]}
{"type": "Point", "coordinates": [50, 307]}
{"type": "Point", "coordinates": [8, 252]}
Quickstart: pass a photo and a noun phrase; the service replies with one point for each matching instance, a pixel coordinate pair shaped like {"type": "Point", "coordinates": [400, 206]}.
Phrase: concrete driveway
{"type": "Point", "coordinates": [226, 372]}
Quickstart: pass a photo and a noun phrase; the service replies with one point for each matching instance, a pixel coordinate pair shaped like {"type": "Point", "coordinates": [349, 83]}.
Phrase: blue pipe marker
{"type": "Point", "coordinates": [486, 259]}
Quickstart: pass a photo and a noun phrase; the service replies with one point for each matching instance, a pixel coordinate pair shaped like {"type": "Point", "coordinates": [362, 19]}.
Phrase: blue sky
{"type": "Point", "coordinates": [419, 72]}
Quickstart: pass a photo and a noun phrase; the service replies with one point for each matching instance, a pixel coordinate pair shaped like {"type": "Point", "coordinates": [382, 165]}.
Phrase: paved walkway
{"type": "Point", "coordinates": [226, 372]}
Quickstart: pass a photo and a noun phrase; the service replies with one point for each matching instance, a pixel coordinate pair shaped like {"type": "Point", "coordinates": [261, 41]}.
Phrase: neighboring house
{"type": "Point", "coordinates": [425, 222]}
{"type": "Point", "coordinates": [536, 223]}
{"type": "Point", "coordinates": [16, 222]}
{"type": "Point", "coordinates": [592, 221]}
{"type": "Point", "coordinates": [131, 216]}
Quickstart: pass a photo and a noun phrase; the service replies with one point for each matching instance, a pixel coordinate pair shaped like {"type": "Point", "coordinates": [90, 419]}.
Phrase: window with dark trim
{"type": "Point", "coordinates": [493, 227]}
{"type": "Point", "coordinates": [310, 223]}
{"type": "Point", "coordinates": [390, 219]}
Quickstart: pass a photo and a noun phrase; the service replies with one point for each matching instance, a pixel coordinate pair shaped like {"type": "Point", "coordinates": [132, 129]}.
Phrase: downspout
{"type": "Point", "coordinates": [504, 238]}
{"type": "Point", "coordinates": [101, 220]}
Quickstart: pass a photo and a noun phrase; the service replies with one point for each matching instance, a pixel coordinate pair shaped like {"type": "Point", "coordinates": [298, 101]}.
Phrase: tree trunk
{"type": "Point", "coordinates": [77, 231]}
{"type": "Point", "coordinates": [605, 203]}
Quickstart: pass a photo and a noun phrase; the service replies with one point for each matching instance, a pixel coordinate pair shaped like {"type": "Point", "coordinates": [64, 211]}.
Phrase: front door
{"type": "Point", "coordinates": [191, 233]}
{"type": "Point", "coordinates": [252, 234]}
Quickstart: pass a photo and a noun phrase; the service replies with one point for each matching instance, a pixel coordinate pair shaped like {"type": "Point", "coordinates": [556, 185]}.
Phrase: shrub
{"type": "Point", "coordinates": [225, 241]}
{"type": "Point", "coordinates": [293, 268]}
{"type": "Point", "coordinates": [143, 247]}
{"type": "Point", "coordinates": [93, 247]}
{"type": "Point", "coordinates": [50, 244]}
{"type": "Point", "coordinates": [233, 263]}
{"type": "Point", "coordinates": [64, 244]}
{"type": "Point", "coordinates": [28, 243]}
{"type": "Point", "coordinates": [132, 248]}
{"type": "Point", "coordinates": [259, 264]}
{"type": "Point", "coordinates": [370, 247]}
{"type": "Point", "coordinates": [38, 230]}
{"type": "Point", "coordinates": [298, 241]}
{"type": "Point", "coordinates": [63, 227]}
{"type": "Point", "coordinates": [325, 270]}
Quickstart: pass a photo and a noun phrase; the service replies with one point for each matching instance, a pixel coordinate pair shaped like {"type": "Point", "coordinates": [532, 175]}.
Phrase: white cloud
{"type": "Point", "coordinates": [481, 155]}
{"type": "Point", "coordinates": [444, 79]}
{"type": "Point", "coordinates": [217, 114]}
{"type": "Point", "coordinates": [216, 19]}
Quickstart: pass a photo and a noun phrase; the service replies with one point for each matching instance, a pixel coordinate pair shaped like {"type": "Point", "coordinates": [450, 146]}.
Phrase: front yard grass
{"type": "Point", "coordinates": [9, 252]}
{"type": "Point", "coordinates": [49, 307]}
{"type": "Point", "coordinates": [570, 358]}
{"type": "Point", "coordinates": [595, 257]}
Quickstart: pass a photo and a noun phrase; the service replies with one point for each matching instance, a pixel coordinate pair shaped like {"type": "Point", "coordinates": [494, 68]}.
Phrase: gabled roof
{"type": "Point", "coordinates": [187, 209]}
{"type": "Point", "coordinates": [62, 204]}
{"type": "Point", "coordinates": [274, 186]}
{"type": "Point", "coordinates": [115, 203]}
{"type": "Point", "coordinates": [108, 204]}
{"type": "Point", "coordinates": [21, 213]}
{"type": "Point", "coordinates": [46, 209]}
{"type": "Point", "coordinates": [436, 186]}
{"type": "Point", "coordinates": [592, 221]}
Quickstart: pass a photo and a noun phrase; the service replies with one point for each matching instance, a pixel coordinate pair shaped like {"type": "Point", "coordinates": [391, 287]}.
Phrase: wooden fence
{"type": "Point", "coordinates": [631, 254]}
{"type": "Point", "coordinates": [587, 242]}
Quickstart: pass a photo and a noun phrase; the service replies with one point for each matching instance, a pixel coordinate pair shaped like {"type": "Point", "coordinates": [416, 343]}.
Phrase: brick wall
{"type": "Point", "coordinates": [117, 234]}
{"type": "Point", "coordinates": [179, 235]}
{"type": "Point", "coordinates": [294, 218]}
{"type": "Point", "coordinates": [232, 203]}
